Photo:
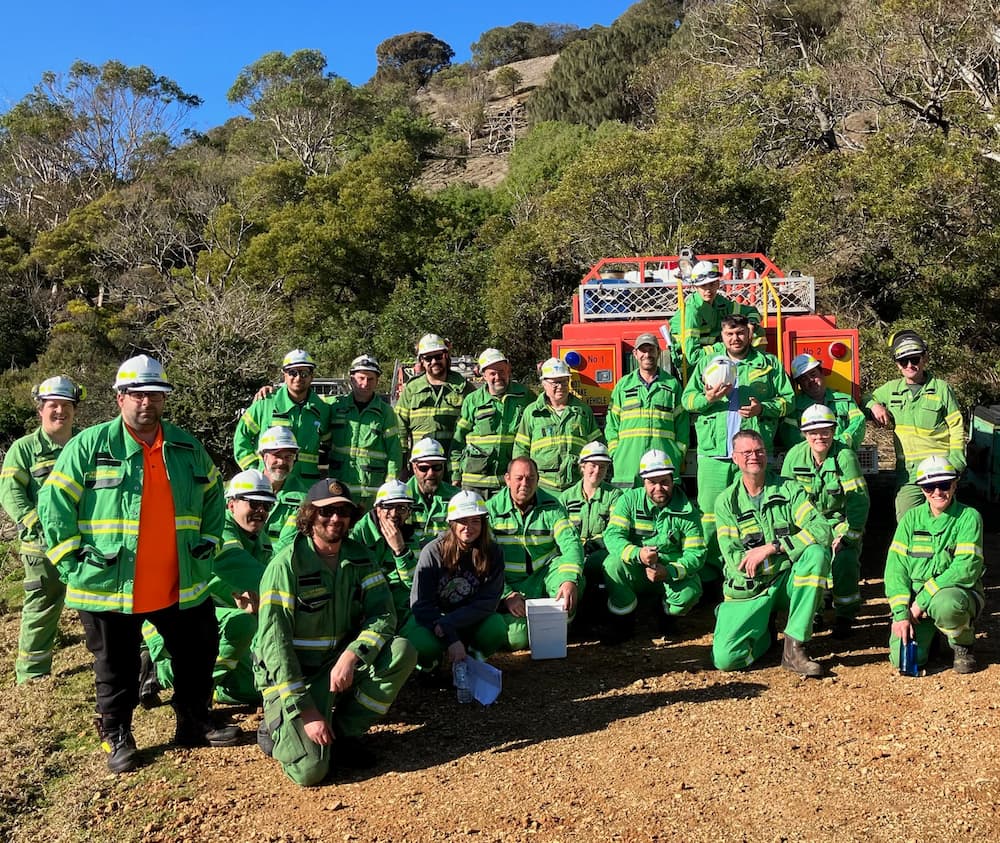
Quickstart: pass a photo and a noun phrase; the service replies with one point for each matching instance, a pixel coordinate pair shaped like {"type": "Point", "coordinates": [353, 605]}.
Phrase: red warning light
{"type": "Point", "coordinates": [838, 350]}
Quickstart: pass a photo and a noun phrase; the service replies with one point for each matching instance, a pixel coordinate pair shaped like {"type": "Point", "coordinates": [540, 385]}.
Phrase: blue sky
{"type": "Point", "coordinates": [204, 45]}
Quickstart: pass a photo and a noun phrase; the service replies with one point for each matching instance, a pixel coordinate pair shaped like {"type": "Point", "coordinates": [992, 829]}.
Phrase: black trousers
{"type": "Point", "coordinates": [191, 637]}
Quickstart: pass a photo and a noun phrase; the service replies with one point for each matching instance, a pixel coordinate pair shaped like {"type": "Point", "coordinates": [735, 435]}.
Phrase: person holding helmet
{"type": "Point", "coordinates": [133, 514]}
{"type": "Point", "coordinates": [484, 434]}
{"type": "Point", "coordinates": [645, 414]}
{"type": "Point", "coordinates": [28, 462]}
{"type": "Point", "coordinates": [295, 406]}
{"type": "Point", "coordinates": [830, 474]}
{"type": "Point", "coordinates": [924, 416]}
{"type": "Point", "coordinates": [759, 398]}
{"type": "Point", "coordinates": [364, 444]}
{"type": "Point", "coordinates": [554, 428]}
{"type": "Point", "coordinates": [326, 659]}
{"type": "Point", "coordinates": [278, 452]}
{"type": "Point", "coordinates": [655, 546]}
{"type": "Point", "coordinates": [776, 547]}
{"type": "Point", "coordinates": [543, 556]}
{"type": "Point", "coordinates": [704, 310]}
{"type": "Point", "coordinates": [388, 533]}
{"type": "Point", "coordinates": [588, 503]}
{"type": "Point", "coordinates": [429, 492]}
{"type": "Point", "coordinates": [456, 589]}
{"type": "Point", "coordinates": [430, 404]}
{"type": "Point", "coordinates": [810, 382]}
{"type": "Point", "coordinates": [934, 570]}
{"type": "Point", "coordinates": [235, 587]}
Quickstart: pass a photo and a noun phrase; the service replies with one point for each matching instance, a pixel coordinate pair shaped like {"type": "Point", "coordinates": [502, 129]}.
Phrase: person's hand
{"type": "Point", "coordinates": [754, 558]}
{"type": "Point", "coordinates": [438, 631]}
{"type": "Point", "coordinates": [568, 593]}
{"type": "Point", "coordinates": [456, 652]}
{"type": "Point", "coordinates": [247, 601]}
{"type": "Point", "coordinates": [515, 605]}
{"type": "Point", "coordinates": [263, 392]}
{"type": "Point", "coordinates": [837, 544]}
{"type": "Point", "coordinates": [916, 613]}
{"type": "Point", "coordinates": [342, 674]}
{"type": "Point", "coordinates": [714, 393]}
{"type": "Point", "coordinates": [657, 572]}
{"type": "Point", "coordinates": [754, 408]}
{"type": "Point", "coordinates": [392, 534]}
{"type": "Point", "coordinates": [316, 727]}
{"type": "Point", "coordinates": [880, 415]}
{"type": "Point", "coordinates": [903, 630]}
{"type": "Point", "coordinates": [648, 555]}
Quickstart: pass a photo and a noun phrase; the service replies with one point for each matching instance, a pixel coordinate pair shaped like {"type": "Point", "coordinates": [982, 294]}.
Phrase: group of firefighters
{"type": "Point", "coordinates": [361, 541]}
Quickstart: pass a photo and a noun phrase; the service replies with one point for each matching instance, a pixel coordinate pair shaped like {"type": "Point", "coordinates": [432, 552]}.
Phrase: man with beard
{"type": "Point", "coordinates": [133, 514]}
{"type": "Point", "coordinates": [327, 661]}
{"type": "Point", "coordinates": [278, 451]}
{"type": "Point", "coordinates": [807, 375]}
{"type": "Point", "coordinates": [429, 492]}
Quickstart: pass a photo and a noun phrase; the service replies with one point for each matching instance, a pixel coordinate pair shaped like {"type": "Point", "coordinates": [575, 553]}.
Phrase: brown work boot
{"type": "Point", "coordinates": [965, 659]}
{"type": "Point", "coordinates": [796, 659]}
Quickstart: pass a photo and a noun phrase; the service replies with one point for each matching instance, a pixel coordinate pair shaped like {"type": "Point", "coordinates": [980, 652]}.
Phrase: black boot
{"type": "Point", "coordinates": [264, 739]}
{"type": "Point", "coordinates": [796, 659]}
{"type": "Point", "coordinates": [196, 728]}
{"type": "Point", "coordinates": [149, 685]}
{"type": "Point", "coordinates": [843, 628]}
{"type": "Point", "coordinates": [117, 741]}
{"type": "Point", "coordinates": [965, 659]}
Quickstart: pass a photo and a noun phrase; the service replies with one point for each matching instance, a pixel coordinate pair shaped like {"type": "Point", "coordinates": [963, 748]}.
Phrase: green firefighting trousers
{"type": "Point", "coordinates": [44, 595]}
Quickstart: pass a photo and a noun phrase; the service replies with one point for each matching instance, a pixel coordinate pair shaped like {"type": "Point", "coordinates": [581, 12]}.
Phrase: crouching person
{"type": "Point", "coordinates": [776, 550]}
{"type": "Point", "coordinates": [934, 571]}
{"type": "Point", "coordinates": [456, 589]}
{"type": "Point", "coordinates": [326, 660]}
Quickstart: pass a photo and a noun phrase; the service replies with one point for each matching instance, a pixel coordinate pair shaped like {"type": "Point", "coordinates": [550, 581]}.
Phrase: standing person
{"type": "Point", "coordinates": [456, 589]}
{"type": "Point", "coordinates": [430, 404]}
{"type": "Point", "coordinates": [133, 514]}
{"type": "Point", "coordinates": [645, 414]}
{"type": "Point", "coordinates": [296, 407]}
{"type": "Point", "coordinates": [484, 435]}
{"type": "Point", "coordinates": [429, 492]}
{"type": "Point", "coordinates": [810, 382]}
{"type": "Point", "coordinates": [554, 428]}
{"type": "Point", "coordinates": [830, 475]}
{"type": "Point", "coordinates": [326, 662]}
{"type": "Point", "coordinates": [543, 556]}
{"type": "Point", "coordinates": [655, 546]}
{"type": "Point", "coordinates": [278, 452]}
{"type": "Point", "coordinates": [923, 413]}
{"type": "Point", "coordinates": [934, 570]}
{"type": "Point", "coordinates": [776, 547]}
{"type": "Point", "coordinates": [28, 462]}
{"type": "Point", "coordinates": [364, 445]}
{"type": "Point", "coordinates": [588, 503]}
{"type": "Point", "coordinates": [757, 401]}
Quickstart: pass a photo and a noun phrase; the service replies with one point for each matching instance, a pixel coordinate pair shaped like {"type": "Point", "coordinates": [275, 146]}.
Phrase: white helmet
{"type": "Point", "coordinates": [393, 492]}
{"type": "Point", "coordinates": [655, 463]}
{"type": "Point", "coordinates": [555, 368]}
{"type": "Point", "coordinates": [817, 417]}
{"type": "Point", "coordinates": [142, 374]}
{"type": "Point", "coordinates": [59, 387]}
{"type": "Point", "coordinates": [490, 357]}
{"type": "Point", "coordinates": [705, 272]}
{"type": "Point", "coordinates": [466, 505]}
{"type": "Point", "coordinates": [277, 439]}
{"type": "Point", "coordinates": [365, 363]}
{"type": "Point", "coordinates": [252, 485]}
{"type": "Point", "coordinates": [803, 363]}
{"type": "Point", "coordinates": [934, 470]}
{"type": "Point", "coordinates": [719, 371]}
{"type": "Point", "coordinates": [297, 357]}
{"type": "Point", "coordinates": [595, 452]}
{"type": "Point", "coordinates": [427, 449]}
{"type": "Point", "coordinates": [429, 343]}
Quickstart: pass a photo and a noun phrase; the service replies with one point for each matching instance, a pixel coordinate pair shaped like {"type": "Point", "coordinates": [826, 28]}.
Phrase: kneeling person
{"type": "Point", "coordinates": [655, 546]}
{"type": "Point", "coordinates": [326, 659]}
{"type": "Point", "coordinates": [776, 550]}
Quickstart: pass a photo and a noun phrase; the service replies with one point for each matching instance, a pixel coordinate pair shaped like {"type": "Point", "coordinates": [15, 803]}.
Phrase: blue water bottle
{"type": "Point", "coordinates": [460, 676]}
{"type": "Point", "coordinates": [908, 658]}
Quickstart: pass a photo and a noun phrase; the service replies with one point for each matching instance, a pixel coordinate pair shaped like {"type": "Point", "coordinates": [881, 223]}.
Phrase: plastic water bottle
{"type": "Point", "coordinates": [460, 675]}
{"type": "Point", "coordinates": [908, 658]}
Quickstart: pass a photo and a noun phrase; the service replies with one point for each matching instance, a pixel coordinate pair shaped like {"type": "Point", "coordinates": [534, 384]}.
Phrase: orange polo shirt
{"type": "Point", "coordinates": [157, 577]}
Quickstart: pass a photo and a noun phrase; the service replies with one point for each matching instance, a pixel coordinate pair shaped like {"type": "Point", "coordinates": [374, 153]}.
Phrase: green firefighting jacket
{"type": "Point", "coordinates": [850, 420]}
{"type": "Point", "coordinates": [239, 563]}
{"type": "Point", "coordinates": [759, 376]}
{"type": "Point", "coordinates": [785, 515]}
{"type": "Point", "coordinates": [281, 521]}
{"type": "Point", "coordinates": [364, 445]}
{"type": "Point", "coordinates": [398, 570]}
{"type": "Point", "coordinates": [425, 410]}
{"type": "Point", "coordinates": [542, 536]}
{"type": "Point", "coordinates": [310, 614]}
{"type": "Point", "coordinates": [702, 326]}
{"type": "Point", "coordinates": [553, 440]}
{"type": "Point", "coordinates": [590, 517]}
{"type": "Point", "coordinates": [643, 417]}
{"type": "Point", "coordinates": [673, 529]}
{"type": "Point", "coordinates": [836, 488]}
{"type": "Point", "coordinates": [928, 554]}
{"type": "Point", "coordinates": [926, 424]}
{"type": "Point", "coordinates": [309, 421]}
{"type": "Point", "coordinates": [428, 516]}
{"type": "Point", "coordinates": [28, 462]}
{"type": "Point", "coordinates": [484, 436]}
{"type": "Point", "coordinates": [89, 508]}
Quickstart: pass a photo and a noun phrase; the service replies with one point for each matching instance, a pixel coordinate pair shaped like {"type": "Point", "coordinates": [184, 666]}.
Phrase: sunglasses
{"type": "Point", "coordinates": [259, 506]}
{"type": "Point", "coordinates": [402, 508]}
{"type": "Point", "coordinates": [912, 360]}
{"type": "Point", "coordinates": [299, 373]}
{"type": "Point", "coordinates": [338, 509]}
{"type": "Point", "coordinates": [940, 486]}
{"type": "Point", "coordinates": [426, 467]}
{"type": "Point", "coordinates": [430, 357]}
